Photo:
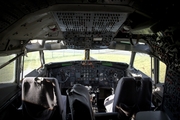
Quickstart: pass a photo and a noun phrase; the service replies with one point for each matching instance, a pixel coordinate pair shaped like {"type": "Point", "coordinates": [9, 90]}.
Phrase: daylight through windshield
{"type": "Point", "coordinates": [102, 55]}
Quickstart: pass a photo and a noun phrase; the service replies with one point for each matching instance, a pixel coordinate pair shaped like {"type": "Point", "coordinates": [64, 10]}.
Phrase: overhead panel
{"type": "Point", "coordinates": [93, 29]}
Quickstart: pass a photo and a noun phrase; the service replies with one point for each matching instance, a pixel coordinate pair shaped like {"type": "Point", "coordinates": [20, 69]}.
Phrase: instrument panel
{"type": "Point", "coordinates": [89, 73]}
{"type": "Point", "coordinates": [94, 30]}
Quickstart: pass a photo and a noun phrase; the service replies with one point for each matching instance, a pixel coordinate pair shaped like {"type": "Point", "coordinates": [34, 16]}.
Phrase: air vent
{"type": "Point", "coordinates": [9, 18]}
{"type": "Point", "coordinates": [3, 25]}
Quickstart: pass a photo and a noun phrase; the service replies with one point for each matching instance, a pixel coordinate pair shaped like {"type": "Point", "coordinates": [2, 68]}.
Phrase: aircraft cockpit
{"type": "Point", "coordinates": [89, 59]}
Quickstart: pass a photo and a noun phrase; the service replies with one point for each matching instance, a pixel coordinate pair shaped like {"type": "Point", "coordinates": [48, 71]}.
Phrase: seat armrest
{"type": "Point", "coordinates": [152, 115]}
{"type": "Point", "coordinates": [106, 116]}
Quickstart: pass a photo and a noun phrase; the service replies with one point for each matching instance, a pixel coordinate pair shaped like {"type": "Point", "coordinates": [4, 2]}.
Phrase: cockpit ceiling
{"type": "Point", "coordinates": [81, 23]}
{"type": "Point", "coordinates": [78, 26]}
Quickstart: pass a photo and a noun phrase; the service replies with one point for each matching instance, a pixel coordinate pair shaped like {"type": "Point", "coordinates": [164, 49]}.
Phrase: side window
{"type": "Point", "coordinates": [8, 72]}
{"type": "Point", "coordinates": [162, 72]}
{"type": "Point", "coordinates": [31, 62]}
{"type": "Point", "coordinates": [142, 62]}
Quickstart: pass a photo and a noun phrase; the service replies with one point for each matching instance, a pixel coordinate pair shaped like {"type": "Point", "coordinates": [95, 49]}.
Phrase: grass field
{"type": "Point", "coordinates": [7, 73]}
{"type": "Point", "coordinates": [142, 62]}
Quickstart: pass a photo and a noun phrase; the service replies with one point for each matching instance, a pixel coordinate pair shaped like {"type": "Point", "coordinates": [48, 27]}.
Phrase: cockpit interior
{"type": "Point", "coordinates": [89, 59]}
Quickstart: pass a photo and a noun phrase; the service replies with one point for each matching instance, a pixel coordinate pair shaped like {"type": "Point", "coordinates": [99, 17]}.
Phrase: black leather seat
{"type": "Point", "coordinates": [42, 99]}
{"type": "Point", "coordinates": [79, 103]}
{"type": "Point", "coordinates": [131, 96]}
{"type": "Point", "coordinates": [126, 97]}
{"type": "Point", "coordinates": [145, 100]}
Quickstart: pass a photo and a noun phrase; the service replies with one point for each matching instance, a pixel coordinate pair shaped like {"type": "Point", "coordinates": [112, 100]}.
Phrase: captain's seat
{"type": "Point", "coordinates": [42, 99]}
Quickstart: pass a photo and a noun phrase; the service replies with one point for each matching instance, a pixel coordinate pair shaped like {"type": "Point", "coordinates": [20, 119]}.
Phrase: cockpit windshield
{"type": "Point", "coordinates": [101, 55]}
